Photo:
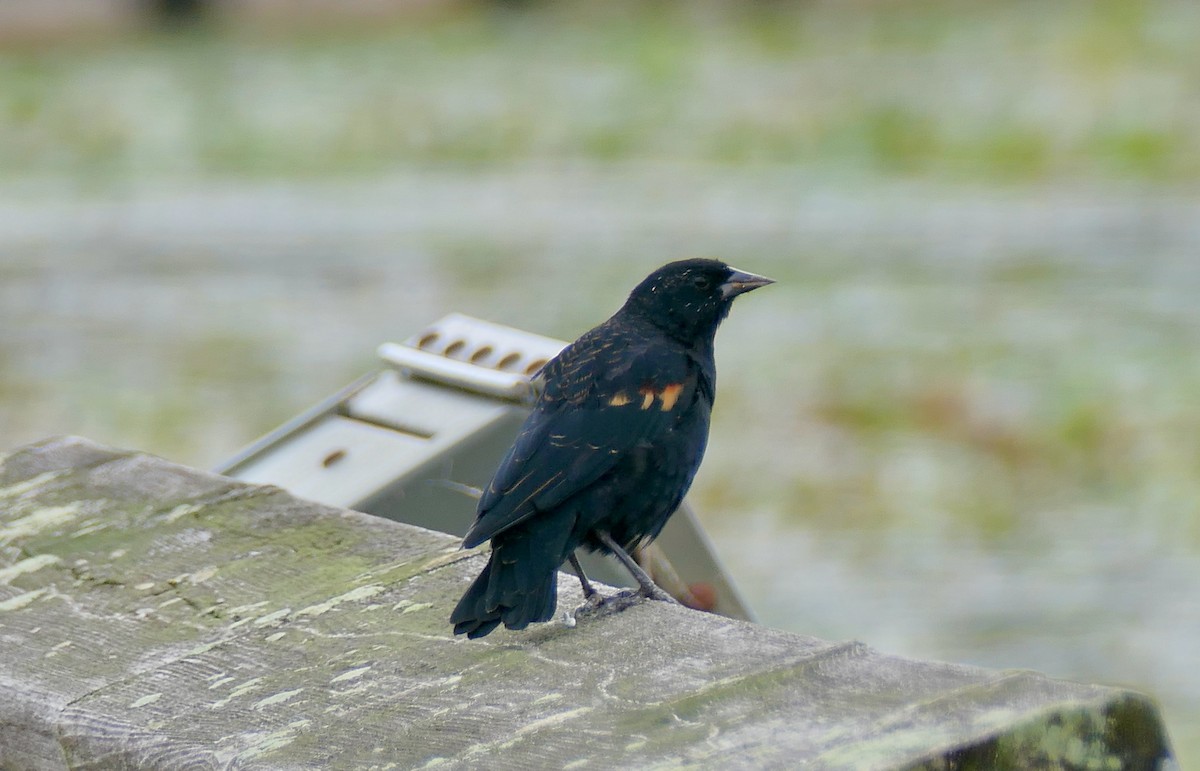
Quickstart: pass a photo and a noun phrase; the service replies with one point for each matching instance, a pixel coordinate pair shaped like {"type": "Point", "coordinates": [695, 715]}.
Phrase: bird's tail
{"type": "Point", "coordinates": [517, 587]}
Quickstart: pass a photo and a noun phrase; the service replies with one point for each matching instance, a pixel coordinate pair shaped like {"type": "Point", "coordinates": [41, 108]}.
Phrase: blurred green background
{"type": "Point", "coordinates": [964, 425]}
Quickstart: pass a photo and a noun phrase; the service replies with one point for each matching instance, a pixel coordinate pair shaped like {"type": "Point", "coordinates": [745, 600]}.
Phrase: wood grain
{"type": "Point", "coordinates": [153, 616]}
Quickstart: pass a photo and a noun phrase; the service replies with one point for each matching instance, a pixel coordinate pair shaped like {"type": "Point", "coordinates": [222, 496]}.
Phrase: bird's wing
{"type": "Point", "coordinates": [603, 396]}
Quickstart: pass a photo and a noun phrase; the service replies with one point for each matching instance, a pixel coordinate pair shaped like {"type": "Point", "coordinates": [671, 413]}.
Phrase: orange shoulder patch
{"type": "Point", "coordinates": [668, 396]}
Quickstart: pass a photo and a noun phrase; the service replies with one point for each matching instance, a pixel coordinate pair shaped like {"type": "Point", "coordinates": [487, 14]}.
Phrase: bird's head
{"type": "Point", "coordinates": [689, 298]}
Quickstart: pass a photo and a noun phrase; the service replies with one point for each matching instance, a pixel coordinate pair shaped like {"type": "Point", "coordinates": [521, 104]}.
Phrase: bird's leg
{"type": "Point", "coordinates": [647, 586]}
{"type": "Point", "coordinates": [592, 599]}
{"type": "Point", "coordinates": [589, 592]}
{"type": "Point", "coordinates": [596, 602]}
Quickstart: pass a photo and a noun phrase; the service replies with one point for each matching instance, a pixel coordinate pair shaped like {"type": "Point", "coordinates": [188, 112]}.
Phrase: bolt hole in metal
{"type": "Point", "coordinates": [483, 355]}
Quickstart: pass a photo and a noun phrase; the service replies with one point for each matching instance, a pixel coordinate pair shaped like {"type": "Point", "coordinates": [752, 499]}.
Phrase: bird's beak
{"type": "Point", "coordinates": [740, 282]}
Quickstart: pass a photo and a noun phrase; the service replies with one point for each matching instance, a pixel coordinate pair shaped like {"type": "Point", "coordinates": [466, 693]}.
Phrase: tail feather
{"type": "Point", "coordinates": [517, 587]}
{"type": "Point", "coordinates": [505, 592]}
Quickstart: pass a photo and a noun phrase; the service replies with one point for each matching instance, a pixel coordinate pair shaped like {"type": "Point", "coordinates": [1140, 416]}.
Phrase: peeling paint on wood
{"type": "Point", "coordinates": [353, 674]}
{"type": "Point", "coordinates": [27, 566]}
{"type": "Point", "coordinates": [278, 698]}
{"type": "Point", "coordinates": [354, 595]}
{"type": "Point", "coordinates": [38, 520]}
{"type": "Point", "coordinates": [28, 485]}
{"type": "Point", "coordinates": [23, 600]}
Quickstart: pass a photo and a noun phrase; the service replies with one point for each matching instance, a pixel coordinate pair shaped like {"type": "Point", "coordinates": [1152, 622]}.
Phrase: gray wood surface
{"type": "Point", "coordinates": [154, 616]}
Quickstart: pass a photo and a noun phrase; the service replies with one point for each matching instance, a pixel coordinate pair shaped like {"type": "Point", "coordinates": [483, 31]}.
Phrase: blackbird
{"type": "Point", "coordinates": [613, 442]}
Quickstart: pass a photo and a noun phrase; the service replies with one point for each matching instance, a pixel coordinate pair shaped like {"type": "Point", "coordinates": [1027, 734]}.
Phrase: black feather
{"type": "Point", "coordinates": [611, 446]}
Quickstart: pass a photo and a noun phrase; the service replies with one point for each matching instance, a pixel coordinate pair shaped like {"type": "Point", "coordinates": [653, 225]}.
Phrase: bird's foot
{"type": "Point", "coordinates": [652, 592]}
{"type": "Point", "coordinates": [599, 605]}
{"type": "Point", "coordinates": [626, 598]}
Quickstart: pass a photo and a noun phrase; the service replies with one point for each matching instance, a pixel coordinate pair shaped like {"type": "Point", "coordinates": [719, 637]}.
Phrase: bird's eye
{"type": "Point", "coordinates": [702, 282]}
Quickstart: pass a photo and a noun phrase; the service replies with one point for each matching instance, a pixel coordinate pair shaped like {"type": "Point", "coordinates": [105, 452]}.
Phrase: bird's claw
{"type": "Point", "coordinates": [654, 593]}
{"type": "Point", "coordinates": [598, 604]}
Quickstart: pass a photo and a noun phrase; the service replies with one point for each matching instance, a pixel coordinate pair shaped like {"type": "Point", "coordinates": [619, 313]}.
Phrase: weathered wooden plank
{"type": "Point", "coordinates": [153, 616]}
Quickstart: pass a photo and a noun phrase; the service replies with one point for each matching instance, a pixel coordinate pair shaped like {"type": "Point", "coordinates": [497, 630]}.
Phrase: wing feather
{"type": "Point", "coordinates": [578, 431]}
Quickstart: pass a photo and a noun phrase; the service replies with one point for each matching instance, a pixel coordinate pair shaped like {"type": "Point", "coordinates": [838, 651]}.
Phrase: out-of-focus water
{"type": "Point", "coordinates": [962, 426]}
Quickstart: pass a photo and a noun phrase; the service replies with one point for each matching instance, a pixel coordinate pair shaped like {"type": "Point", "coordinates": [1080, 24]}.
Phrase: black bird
{"type": "Point", "coordinates": [612, 445]}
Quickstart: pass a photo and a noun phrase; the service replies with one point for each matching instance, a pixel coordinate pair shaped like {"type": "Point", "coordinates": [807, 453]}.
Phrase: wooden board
{"type": "Point", "coordinates": [154, 616]}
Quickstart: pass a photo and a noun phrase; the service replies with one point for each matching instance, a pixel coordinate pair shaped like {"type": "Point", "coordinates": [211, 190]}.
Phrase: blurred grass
{"type": "Point", "coordinates": [997, 92]}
